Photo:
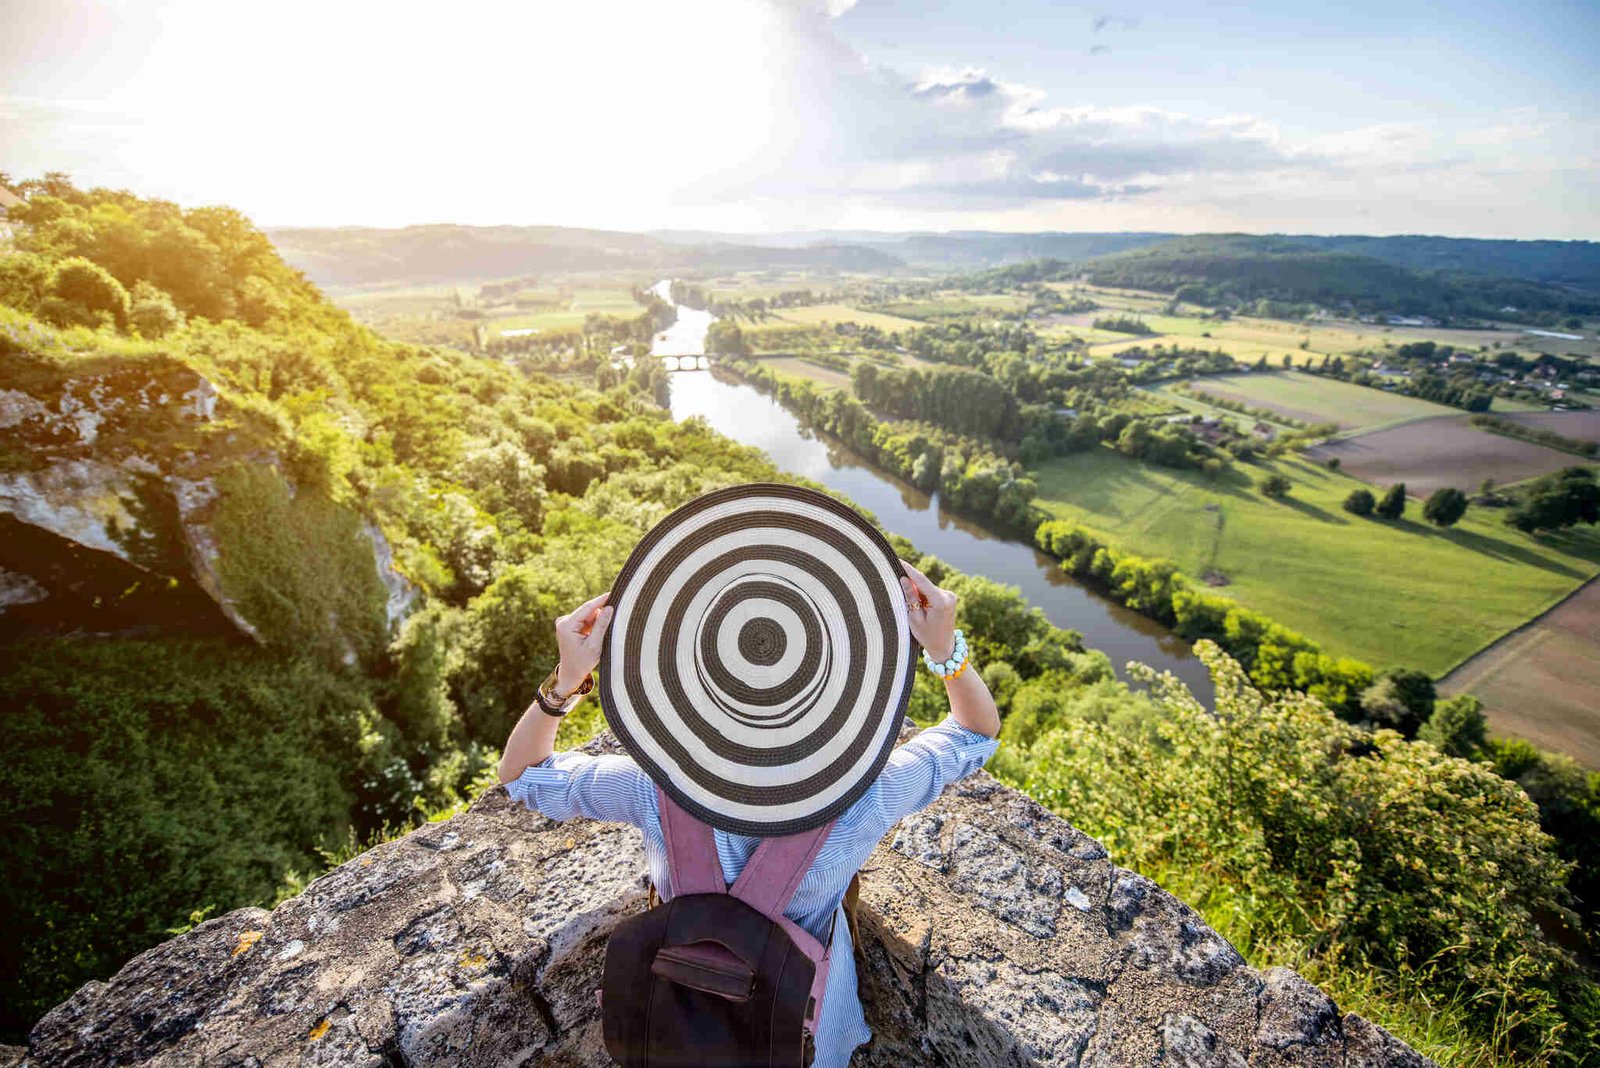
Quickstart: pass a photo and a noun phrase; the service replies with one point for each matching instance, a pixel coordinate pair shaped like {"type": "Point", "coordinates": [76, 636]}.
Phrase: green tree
{"type": "Point", "coordinates": [1458, 727]}
{"type": "Point", "coordinates": [152, 313]}
{"type": "Point", "coordinates": [24, 280]}
{"type": "Point", "coordinates": [1393, 505]}
{"type": "Point", "coordinates": [1359, 502]}
{"type": "Point", "coordinates": [83, 293]}
{"type": "Point", "coordinates": [1445, 506]}
{"type": "Point", "coordinates": [1562, 499]}
{"type": "Point", "coordinates": [1276, 486]}
{"type": "Point", "coordinates": [1401, 699]}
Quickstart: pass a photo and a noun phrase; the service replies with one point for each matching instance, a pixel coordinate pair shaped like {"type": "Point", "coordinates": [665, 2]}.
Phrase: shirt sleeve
{"type": "Point", "coordinates": [565, 785]}
{"type": "Point", "coordinates": [919, 770]}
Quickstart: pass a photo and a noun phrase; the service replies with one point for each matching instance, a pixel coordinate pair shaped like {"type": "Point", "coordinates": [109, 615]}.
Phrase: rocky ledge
{"type": "Point", "coordinates": [993, 933]}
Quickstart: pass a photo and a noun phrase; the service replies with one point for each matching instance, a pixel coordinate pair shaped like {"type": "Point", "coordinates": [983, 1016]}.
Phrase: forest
{"type": "Point", "coordinates": [1290, 277]}
{"type": "Point", "coordinates": [1351, 826]}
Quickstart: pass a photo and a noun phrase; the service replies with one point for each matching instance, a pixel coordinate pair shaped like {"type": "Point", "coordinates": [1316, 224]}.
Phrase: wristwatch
{"type": "Point", "coordinates": [553, 703]}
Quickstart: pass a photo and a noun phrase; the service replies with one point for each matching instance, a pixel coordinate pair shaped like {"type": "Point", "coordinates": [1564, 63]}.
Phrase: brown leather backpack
{"type": "Point", "coordinates": [716, 976]}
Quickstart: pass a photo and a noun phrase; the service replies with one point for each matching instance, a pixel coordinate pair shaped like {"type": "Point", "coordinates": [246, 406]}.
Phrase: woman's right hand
{"type": "Point", "coordinates": [579, 634]}
{"type": "Point", "coordinates": [933, 612]}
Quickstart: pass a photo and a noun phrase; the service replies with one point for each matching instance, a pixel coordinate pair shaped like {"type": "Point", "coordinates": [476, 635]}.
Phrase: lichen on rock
{"type": "Point", "coordinates": [993, 933]}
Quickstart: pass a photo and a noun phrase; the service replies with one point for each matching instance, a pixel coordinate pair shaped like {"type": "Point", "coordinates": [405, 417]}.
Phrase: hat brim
{"type": "Point", "coordinates": [759, 659]}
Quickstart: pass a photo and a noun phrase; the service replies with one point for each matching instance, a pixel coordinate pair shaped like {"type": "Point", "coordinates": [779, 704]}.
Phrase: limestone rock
{"type": "Point", "coordinates": [993, 933]}
{"type": "Point", "coordinates": [119, 494]}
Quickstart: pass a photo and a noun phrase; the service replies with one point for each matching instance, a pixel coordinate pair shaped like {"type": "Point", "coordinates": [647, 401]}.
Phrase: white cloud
{"type": "Point", "coordinates": [721, 113]}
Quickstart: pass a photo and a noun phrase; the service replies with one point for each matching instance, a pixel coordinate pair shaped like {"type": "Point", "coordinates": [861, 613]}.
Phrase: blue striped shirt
{"type": "Point", "coordinates": [615, 788]}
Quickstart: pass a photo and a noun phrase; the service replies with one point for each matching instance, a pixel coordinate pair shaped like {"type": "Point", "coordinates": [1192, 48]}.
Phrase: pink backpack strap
{"type": "Point", "coordinates": [692, 864]}
{"type": "Point", "coordinates": [773, 873]}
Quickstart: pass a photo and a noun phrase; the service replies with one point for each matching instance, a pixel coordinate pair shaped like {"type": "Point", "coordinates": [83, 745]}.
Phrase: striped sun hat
{"type": "Point", "coordinates": [759, 658]}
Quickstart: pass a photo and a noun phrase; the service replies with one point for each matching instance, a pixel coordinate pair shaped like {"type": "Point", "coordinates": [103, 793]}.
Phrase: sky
{"type": "Point", "coordinates": [1465, 119]}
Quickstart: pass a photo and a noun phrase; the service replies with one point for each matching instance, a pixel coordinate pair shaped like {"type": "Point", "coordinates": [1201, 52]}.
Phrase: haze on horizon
{"type": "Point", "coordinates": [785, 115]}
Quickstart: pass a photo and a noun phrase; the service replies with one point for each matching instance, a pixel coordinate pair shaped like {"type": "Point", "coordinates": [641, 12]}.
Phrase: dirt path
{"type": "Point", "coordinates": [1542, 681]}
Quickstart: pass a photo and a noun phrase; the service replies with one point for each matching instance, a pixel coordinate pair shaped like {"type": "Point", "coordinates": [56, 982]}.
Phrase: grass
{"type": "Point", "coordinates": [1388, 593]}
{"type": "Point", "coordinates": [1165, 395]}
{"type": "Point", "coordinates": [1312, 399]}
{"type": "Point", "coordinates": [958, 306]}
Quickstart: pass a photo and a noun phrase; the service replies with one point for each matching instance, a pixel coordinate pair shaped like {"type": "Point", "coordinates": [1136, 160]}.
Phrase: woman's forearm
{"type": "Point", "coordinates": [532, 741]}
{"type": "Point", "coordinates": [579, 634]}
{"type": "Point", "coordinates": [971, 703]}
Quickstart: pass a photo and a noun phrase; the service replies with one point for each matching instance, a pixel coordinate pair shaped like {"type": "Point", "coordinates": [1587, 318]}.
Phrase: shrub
{"type": "Point", "coordinates": [1373, 853]}
{"type": "Point", "coordinates": [1401, 699]}
{"type": "Point", "coordinates": [1563, 499]}
{"type": "Point", "coordinates": [1393, 505]}
{"type": "Point", "coordinates": [1457, 727]}
{"type": "Point", "coordinates": [1276, 486]}
{"type": "Point", "coordinates": [153, 314]}
{"type": "Point", "coordinates": [1444, 507]}
{"type": "Point", "coordinates": [1360, 502]}
{"type": "Point", "coordinates": [146, 779]}
{"type": "Point", "coordinates": [24, 280]}
{"type": "Point", "coordinates": [85, 294]}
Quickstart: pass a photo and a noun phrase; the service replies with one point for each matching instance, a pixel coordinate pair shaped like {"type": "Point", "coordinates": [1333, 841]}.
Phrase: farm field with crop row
{"type": "Point", "coordinates": [800, 367]}
{"type": "Point", "coordinates": [1542, 682]}
{"type": "Point", "coordinates": [1447, 451]}
{"type": "Point", "coordinates": [1387, 592]}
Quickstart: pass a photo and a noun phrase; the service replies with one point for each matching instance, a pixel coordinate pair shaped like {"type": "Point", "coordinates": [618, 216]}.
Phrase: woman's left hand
{"type": "Point", "coordinates": [578, 636]}
{"type": "Point", "coordinates": [932, 612]}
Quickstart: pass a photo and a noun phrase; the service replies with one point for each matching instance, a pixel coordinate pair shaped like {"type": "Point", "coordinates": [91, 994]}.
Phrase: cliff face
{"type": "Point", "coordinates": [108, 495]}
{"type": "Point", "coordinates": [993, 933]}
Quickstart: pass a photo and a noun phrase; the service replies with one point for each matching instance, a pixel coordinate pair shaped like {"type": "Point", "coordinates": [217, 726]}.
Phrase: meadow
{"type": "Point", "coordinates": [1386, 592]}
{"type": "Point", "coordinates": [1312, 399]}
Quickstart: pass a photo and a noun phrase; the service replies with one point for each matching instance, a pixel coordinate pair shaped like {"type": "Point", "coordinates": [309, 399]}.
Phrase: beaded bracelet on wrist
{"type": "Point", "coordinates": [955, 664]}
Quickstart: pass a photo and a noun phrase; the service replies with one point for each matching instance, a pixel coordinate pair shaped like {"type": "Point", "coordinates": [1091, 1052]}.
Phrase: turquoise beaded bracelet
{"type": "Point", "coordinates": [955, 664]}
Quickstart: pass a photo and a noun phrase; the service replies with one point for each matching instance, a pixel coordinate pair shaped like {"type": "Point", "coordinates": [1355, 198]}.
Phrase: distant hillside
{"type": "Point", "coordinates": [446, 253]}
{"type": "Point", "coordinates": [348, 256]}
{"type": "Point", "coordinates": [1570, 263]}
{"type": "Point", "coordinates": [1233, 268]}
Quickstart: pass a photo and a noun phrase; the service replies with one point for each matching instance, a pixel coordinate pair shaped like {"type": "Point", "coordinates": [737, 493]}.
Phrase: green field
{"type": "Point", "coordinates": [578, 304]}
{"type": "Point", "coordinates": [954, 305]}
{"type": "Point", "coordinates": [1312, 399]}
{"type": "Point", "coordinates": [1387, 593]}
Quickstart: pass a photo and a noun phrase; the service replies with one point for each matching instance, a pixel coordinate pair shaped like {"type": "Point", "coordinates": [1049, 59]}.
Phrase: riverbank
{"type": "Point", "coordinates": [740, 411]}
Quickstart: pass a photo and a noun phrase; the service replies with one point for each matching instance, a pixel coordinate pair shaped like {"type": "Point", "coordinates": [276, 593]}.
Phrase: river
{"type": "Point", "coordinates": [747, 415]}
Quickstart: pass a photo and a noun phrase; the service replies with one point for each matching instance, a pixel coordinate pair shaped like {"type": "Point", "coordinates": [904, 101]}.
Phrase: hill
{"type": "Point", "coordinates": [1566, 263]}
{"type": "Point", "coordinates": [355, 256]}
{"type": "Point", "coordinates": [1231, 269]}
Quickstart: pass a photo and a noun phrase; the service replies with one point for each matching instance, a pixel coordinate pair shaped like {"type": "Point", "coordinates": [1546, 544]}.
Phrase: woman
{"type": "Point", "coordinates": [563, 785]}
